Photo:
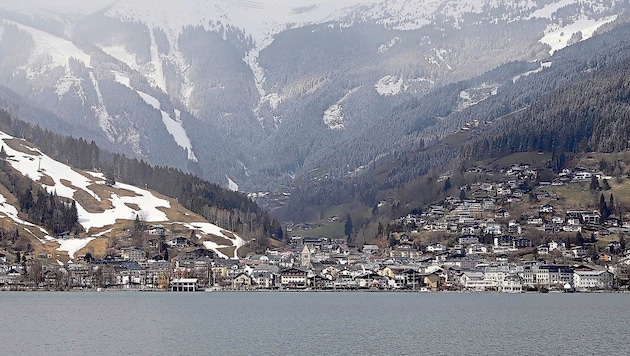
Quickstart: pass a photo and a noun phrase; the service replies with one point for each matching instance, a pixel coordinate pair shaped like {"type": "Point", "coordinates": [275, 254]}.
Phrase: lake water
{"type": "Point", "coordinates": [318, 323]}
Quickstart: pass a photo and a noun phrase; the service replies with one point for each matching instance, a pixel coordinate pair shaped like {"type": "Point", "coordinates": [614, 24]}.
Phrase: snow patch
{"type": "Point", "coordinates": [558, 37]}
{"type": "Point", "coordinates": [122, 79]}
{"type": "Point", "coordinates": [211, 229]}
{"type": "Point", "coordinates": [334, 116]}
{"type": "Point", "coordinates": [73, 245]}
{"type": "Point", "coordinates": [11, 212]}
{"type": "Point", "coordinates": [37, 164]}
{"type": "Point", "coordinates": [121, 54]}
{"type": "Point", "coordinates": [174, 126]}
{"type": "Point", "coordinates": [156, 71]}
{"type": "Point", "coordinates": [55, 51]}
{"type": "Point", "coordinates": [474, 96]}
{"type": "Point", "coordinates": [543, 65]}
{"type": "Point", "coordinates": [126, 201]}
{"type": "Point", "coordinates": [385, 47]}
{"type": "Point", "coordinates": [65, 83]}
{"type": "Point", "coordinates": [547, 11]}
{"type": "Point", "coordinates": [104, 120]}
{"type": "Point", "coordinates": [232, 185]}
{"type": "Point", "coordinates": [439, 58]}
{"type": "Point", "coordinates": [390, 85]}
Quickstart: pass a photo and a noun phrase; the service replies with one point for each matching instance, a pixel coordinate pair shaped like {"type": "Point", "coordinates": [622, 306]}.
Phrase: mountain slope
{"type": "Point", "coordinates": [574, 103]}
{"type": "Point", "coordinates": [258, 93]}
{"type": "Point", "coordinates": [102, 208]}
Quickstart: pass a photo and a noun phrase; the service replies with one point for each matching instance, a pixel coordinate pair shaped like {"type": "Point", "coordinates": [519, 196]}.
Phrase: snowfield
{"type": "Point", "coordinates": [126, 201]}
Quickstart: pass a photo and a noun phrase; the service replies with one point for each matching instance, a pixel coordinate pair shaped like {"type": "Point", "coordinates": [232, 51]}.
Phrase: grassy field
{"type": "Point", "coordinates": [335, 229]}
{"type": "Point", "coordinates": [534, 159]}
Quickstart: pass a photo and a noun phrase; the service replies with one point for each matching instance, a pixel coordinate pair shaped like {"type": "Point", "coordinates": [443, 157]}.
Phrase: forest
{"type": "Point", "coordinates": [578, 104]}
{"type": "Point", "coordinates": [230, 210]}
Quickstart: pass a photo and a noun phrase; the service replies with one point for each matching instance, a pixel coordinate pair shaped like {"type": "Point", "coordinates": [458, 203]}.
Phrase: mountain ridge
{"type": "Point", "coordinates": [259, 105]}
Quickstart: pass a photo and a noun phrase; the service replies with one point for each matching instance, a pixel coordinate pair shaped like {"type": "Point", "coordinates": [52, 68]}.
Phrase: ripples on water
{"type": "Point", "coordinates": [321, 323]}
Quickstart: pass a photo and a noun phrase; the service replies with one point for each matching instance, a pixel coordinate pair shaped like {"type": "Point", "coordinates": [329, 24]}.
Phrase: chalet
{"type": "Point", "coordinates": [470, 230]}
{"type": "Point", "coordinates": [614, 247]}
{"type": "Point", "coordinates": [579, 251]}
{"type": "Point", "coordinates": [582, 176]}
{"type": "Point", "coordinates": [261, 259]}
{"type": "Point", "coordinates": [502, 258]}
{"type": "Point", "coordinates": [156, 229]}
{"type": "Point", "coordinates": [557, 220]}
{"type": "Point", "coordinates": [546, 209]}
{"type": "Point", "coordinates": [488, 204]}
{"type": "Point", "coordinates": [493, 229]}
{"type": "Point", "coordinates": [612, 222]}
{"type": "Point", "coordinates": [242, 281]}
{"type": "Point", "coordinates": [475, 281]}
{"type": "Point", "coordinates": [179, 242]}
{"type": "Point", "coordinates": [572, 228]}
{"type": "Point", "coordinates": [436, 247]}
{"type": "Point", "coordinates": [476, 249]}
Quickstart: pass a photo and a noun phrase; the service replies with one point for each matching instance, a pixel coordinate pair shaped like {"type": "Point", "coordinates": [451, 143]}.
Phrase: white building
{"type": "Point", "coordinates": [592, 280]}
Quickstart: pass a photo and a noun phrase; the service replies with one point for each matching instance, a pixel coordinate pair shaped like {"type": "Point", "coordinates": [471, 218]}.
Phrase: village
{"type": "Point", "coordinates": [465, 243]}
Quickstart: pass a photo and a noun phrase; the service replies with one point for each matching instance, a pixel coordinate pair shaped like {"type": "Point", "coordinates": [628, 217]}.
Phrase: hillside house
{"type": "Point", "coordinates": [436, 247]}
{"type": "Point", "coordinates": [546, 209]}
{"type": "Point", "coordinates": [156, 229]}
{"type": "Point", "coordinates": [179, 242]}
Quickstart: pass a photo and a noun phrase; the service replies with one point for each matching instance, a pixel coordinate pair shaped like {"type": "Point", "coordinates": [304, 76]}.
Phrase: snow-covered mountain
{"type": "Point", "coordinates": [252, 93]}
{"type": "Point", "coordinates": [100, 207]}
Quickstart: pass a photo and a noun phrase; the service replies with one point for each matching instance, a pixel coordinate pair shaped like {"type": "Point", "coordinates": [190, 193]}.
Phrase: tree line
{"type": "Point", "coordinates": [228, 209]}
{"type": "Point", "coordinates": [58, 215]}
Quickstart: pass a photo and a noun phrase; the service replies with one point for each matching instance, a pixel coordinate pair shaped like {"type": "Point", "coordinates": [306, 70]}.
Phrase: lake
{"type": "Point", "coordinates": [315, 323]}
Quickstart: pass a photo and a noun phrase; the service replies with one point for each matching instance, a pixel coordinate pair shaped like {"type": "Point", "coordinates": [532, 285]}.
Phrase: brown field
{"type": "Point", "coordinates": [46, 180]}
{"type": "Point", "coordinates": [89, 203]}
{"type": "Point", "coordinates": [22, 146]}
{"type": "Point", "coordinates": [228, 251]}
{"type": "Point", "coordinates": [133, 206]}
{"type": "Point", "coordinates": [96, 247]}
{"type": "Point", "coordinates": [218, 240]}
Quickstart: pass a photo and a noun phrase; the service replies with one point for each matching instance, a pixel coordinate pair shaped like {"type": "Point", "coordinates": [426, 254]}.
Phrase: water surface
{"type": "Point", "coordinates": [319, 323]}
